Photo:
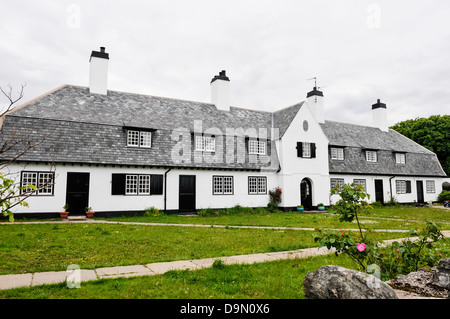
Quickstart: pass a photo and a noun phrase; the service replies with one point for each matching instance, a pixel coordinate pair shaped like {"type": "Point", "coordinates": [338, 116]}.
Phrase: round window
{"type": "Point", "coordinates": [305, 125]}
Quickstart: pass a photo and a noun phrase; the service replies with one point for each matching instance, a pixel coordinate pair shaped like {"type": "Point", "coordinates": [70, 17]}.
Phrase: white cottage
{"type": "Point", "coordinates": [120, 153]}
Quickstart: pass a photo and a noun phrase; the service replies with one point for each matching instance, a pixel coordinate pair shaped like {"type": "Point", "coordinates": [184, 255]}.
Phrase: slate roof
{"type": "Point", "coordinates": [356, 139]}
{"type": "Point", "coordinates": [74, 126]}
{"type": "Point", "coordinates": [89, 128]}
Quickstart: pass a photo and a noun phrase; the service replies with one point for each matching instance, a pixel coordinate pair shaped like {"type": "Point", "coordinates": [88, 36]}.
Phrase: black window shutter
{"type": "Point", "coordinates": [156, 184]}
{"type": "Point", "coordinates": [313, 150]}
{"type": "Point", "coordinates": [299, 149]}
{"type": "Point", "coordinates": [408, 187]}
{"type": "Point", "coordinates": [118, 184]}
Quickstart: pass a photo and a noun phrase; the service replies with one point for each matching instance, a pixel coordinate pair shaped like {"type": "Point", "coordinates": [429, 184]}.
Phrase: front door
{"type": "Point", "coordinates": [419, 185]}
{"type": "Point", "coordinates": [187, 193]}
{"type": "Point", "coordinates": [306, 193]}
{"type": "Point", "coordinates": [379, 197]}
{"type": "Point", "coordinates": [77, 194]}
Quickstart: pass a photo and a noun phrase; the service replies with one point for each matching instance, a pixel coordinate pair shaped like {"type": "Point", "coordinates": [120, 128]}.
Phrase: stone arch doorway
{"type": "Point", "coordinates": [306, 193]}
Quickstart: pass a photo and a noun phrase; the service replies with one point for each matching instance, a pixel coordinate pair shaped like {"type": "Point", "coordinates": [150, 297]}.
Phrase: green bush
{"type": "Point", "coordinates": [443, 196]}
{"type": "Point", "coordinates": [152, 212]}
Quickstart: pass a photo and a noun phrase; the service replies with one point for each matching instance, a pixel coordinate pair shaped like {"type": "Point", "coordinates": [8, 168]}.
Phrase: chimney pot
{"type": "Point", "coordinates": [220, 91]}
{"type": "Point", "coordinates": [379, 116]}
{"type": "Point", "coordinates": [98, 75]}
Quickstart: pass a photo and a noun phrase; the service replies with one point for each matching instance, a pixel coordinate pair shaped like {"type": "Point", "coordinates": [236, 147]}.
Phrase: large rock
{"type": "Point", "coordinates": [334, 282]}
{"type": "Point", "coordinates": [434, 282]}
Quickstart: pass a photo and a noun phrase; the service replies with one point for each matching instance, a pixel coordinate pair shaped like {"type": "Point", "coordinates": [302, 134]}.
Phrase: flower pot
{"type": "Point", "coordinates": [321, 207]}
{"type": "Point", "coordinates": [63, 214]}
{"type": "Point", "coordinates": [300, 209]}
{"type": "Point", "coordinates": [90, 214]}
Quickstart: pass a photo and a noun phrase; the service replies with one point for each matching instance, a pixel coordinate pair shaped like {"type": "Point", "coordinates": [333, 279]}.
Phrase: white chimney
{"type": "Point", "coordinates": [220, 91]}
{"type": "Point", "coordinates": [379, 116]}
{"type": "Point", "coordinates": [315, 102]}
{"type": "Point", "coordinates": [98, 76]}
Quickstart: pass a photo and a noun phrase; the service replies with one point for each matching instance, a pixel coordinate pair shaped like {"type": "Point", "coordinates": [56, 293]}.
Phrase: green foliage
{"type": "Point", "coordinates": [12, 195]}
{"type": "Point", "coordinates": [272, 207]}
{"type": "Point", "coordinates": [444, 196]}
{"type": "Point", "coordinates": [152, 212]}
{"type": "Point", "coordinates": [236, 210]}
{"type": "Point", "coordinates": [400, 258]}
{"type": "Point", "coordinates": [275, 195]}
{"type": "Point", "coordinates": [432, 133]}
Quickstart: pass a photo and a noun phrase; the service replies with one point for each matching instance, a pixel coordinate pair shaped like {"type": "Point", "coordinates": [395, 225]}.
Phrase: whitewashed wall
{"type": "Point", "coordinates": [294, 169]}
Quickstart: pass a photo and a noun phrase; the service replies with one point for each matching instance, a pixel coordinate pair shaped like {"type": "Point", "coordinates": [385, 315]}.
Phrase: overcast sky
{"type": "Point", "coordinates": [398, 51]}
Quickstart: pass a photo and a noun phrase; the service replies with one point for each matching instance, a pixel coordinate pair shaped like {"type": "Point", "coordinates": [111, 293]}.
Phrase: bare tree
{"type": "Point", "coordinates": [11, 149]}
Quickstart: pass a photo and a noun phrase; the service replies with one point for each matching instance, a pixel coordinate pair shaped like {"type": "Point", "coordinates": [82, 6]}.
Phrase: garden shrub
{"type": "Point", "coordinates": [152, 212]}
{"type": "Point", "coordinates": [399, 258]}
{"type": "Point", "coordinates": [444, 196]}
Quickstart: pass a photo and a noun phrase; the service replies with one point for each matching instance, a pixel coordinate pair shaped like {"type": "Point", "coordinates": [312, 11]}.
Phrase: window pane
{"type": "Point", "coordinates": [401, 187]}
{"type": "Point", "coordinates": [261, 185]}
{"type": "Point", "coordinates": [210, 143]}
{"type": "Point", "coordinates": [45, 183]}
{"type": "Point", "coordinates": [146, 139]}
{"type": "Point", "coordinates": [133, 138]}
{"type": "Point", "coordinates": [253, 185]}
{"type": "Point", "coordinates": [360, 182]}
{"type": "Point", "coordinates": [431, 188]}
{"type": "Point", "coordinates": [228, 185]}
{"type": "Point", "coordinates": [400, 158]}
{"type": "Point", "coordinates": [199, 143]}
{"type": "Point", "coordinates": [371, 156]}
{"type": "Point", "coordinates": [131, 184]}
{"type": "Point", "coordinates": [337, 183]}
{"type": "Point", "coordinates": [29, 178]}
{"type": "Point", "coordinates": [306, 150]}
{"type": "Point", "coordinates": [217, 184]}
{"type": "Point", "coordinates": [144, 184]}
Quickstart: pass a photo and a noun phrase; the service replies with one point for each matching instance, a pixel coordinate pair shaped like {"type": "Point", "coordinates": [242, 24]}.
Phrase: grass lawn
{"type": "Point", "coordinates": [277, 279]}
{"type": "Point", "coordinates": [405, 217]}
{"type": "Point", "coordinates": [281, 279]}
{"type": "Point", "coordinates": [51, 247]}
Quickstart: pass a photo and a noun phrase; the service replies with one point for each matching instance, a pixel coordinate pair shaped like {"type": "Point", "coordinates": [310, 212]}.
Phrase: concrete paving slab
{"type": "Point", "coordinates": [122, 271]}
{"type": "Point", "coordinates": [163, 267]}
{"type": "Point", "coordinates": [15, 281]}
{"type": "Point", "coordinates": [253, 258]}
{"type": "Point", "coordinates": [49, 277]}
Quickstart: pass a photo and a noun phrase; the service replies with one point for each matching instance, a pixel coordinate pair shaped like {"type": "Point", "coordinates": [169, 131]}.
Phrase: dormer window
{"type": "Point", "coordinates": [337, 153]}
{"type": "Point", "coordinates": [139, 138]}
{"type": "Point", "coordinates": [257, 147]}
{"type": "Point", "coordinates": [371, 156]}
{"type": "Point", "coordinates": [205, 143]}
{"type": "Point", "coordinates": [400, 158]}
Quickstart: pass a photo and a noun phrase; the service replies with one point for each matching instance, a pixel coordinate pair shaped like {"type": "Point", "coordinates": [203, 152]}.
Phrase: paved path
{"type": "Point", "coordinates": [52, 277]}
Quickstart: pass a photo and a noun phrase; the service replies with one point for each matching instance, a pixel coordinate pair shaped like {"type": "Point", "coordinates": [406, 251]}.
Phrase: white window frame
{"type": "Point", "coordinates": [144, 185]}
{"type": "Point", "coordinates": [431, 187]}
{"type": "Point", "coordinates": [337, 153]}
{"type": "Point", "coordinates": [139, 138]}
{"type": "Point", "coordinates": [336, 183]}
{"type": "Point", "coordinates": [257, 185]}
{"type": "Point", "coordinates": [360, 182]}
{"type": "Point", "coordinates": [44, 181]}
{"type": "Point", "coordinates": [256, 147]}
{"type": "Point", "coordinates": [205, 143]}
{"type": "Point", "coordinates": [400, 187]}
{"type": "Point", "coordinates": [400, 158]}
{"type": "Point", "coordinates": [223, 185]}
{"type": "Point", "coordinates": [306, 150]}
{"type": "Point", "coordinates": [131, 184]}
{"type": "Point", "coordinates": [371, 156]}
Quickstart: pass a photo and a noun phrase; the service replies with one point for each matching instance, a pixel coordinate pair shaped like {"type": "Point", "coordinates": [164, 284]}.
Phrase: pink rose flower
{"type": "Point", "coordinates": [361, 246]}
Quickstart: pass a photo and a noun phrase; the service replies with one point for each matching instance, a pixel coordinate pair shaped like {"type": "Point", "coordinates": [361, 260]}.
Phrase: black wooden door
{"type": "Point", "coordinates": [187, 193]}
{"type": "Point", "coordinates": [77, 194]}
{"type": "Point", "coordinates": [419, 185]}
{"type": "Point", "coordinates": [379, 197]}
{"type": "Point", "coordinates": [306, 194]}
